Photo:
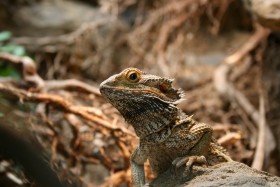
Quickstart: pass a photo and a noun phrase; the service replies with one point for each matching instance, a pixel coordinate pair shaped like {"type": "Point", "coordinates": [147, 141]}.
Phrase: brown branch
{"type": "Point", "coordinates": [228, 91]}
{"type": "Point", "coordinates": [125, 152]}
{"type": "Point", "coordinates": [167, 28]}
{"type": "Point", "coordinates": [70, 83]}
{"type": "Point", "coordinates": [260, 34]}
{"type": "Point", "coordinates": [229, 138]}
{"type": "Point", "coordinates": [260, 150]}
{"type": "Point", "coordinates": [75, 126]}
{"type": "Point", "coordinates": [173, 6]}
{"type": "Point", "coordinates": [63, 104]}
{"type": "Point", "coordinates": [54, 149]}
{"type": "Point", "coordinates": [29, 70]}
{"type": "Point", "coordinates": [217, 19]}
{"type": "Point", "coordinates": [30, 75]}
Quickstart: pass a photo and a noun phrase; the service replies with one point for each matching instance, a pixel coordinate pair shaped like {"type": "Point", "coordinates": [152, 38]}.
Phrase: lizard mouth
{"type": "Point", "coordinates": [106, 89]}
{"type": "Point", "coordinates": [102, 88]}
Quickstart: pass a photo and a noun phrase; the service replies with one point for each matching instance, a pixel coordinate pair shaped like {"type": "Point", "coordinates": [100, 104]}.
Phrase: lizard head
{"type": "Point", "coordinates": [143, 99]}
{"type": "Point", "coordinates": [136, 82]}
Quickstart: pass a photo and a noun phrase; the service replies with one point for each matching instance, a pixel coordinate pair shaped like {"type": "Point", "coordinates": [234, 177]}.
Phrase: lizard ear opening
{"type": "Point", "coordinates": [165, 86]}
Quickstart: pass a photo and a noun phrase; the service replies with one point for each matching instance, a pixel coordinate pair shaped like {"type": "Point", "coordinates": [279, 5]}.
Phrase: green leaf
{"type": "Point", "coordinates": [9, 71]}
{"type": "Point", "coordinates": [19, 51]}
{"type": "Point", "coordinates": [9, 48]}
{"type": "Point", "coordinates": [13, 49]}
{"type": "Point", "coordinates": [5, 35]}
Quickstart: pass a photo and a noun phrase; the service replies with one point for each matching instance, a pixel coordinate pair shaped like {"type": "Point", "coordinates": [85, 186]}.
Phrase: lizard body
{"type": "Point", "coordinates": [168, 137]}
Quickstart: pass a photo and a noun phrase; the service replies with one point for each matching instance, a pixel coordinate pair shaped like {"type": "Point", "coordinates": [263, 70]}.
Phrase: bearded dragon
{"type": "Point", "coordinates": [167, 136]}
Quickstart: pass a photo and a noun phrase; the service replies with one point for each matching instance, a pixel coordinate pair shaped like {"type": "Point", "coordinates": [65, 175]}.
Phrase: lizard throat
{"type": "Point", "coordinates": [146, 113]}
{"type": "Point", "coordinates": [148, 122]}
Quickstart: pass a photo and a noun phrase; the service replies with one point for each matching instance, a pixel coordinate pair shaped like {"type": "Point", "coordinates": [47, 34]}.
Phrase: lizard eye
{"type": "Point", "coordinates": [133, 76]}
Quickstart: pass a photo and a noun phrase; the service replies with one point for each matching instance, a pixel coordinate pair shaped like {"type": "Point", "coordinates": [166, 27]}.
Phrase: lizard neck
{"type": "Point", "coordinates": [149, 122]}
{"type": "Point", "coordinates": [147, 114]}
{"type": "Point", "coordinates": [182, 121]}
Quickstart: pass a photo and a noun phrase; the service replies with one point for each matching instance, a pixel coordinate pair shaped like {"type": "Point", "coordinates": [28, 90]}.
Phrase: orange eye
{"type": "Point", "coordinates": [133, 76]}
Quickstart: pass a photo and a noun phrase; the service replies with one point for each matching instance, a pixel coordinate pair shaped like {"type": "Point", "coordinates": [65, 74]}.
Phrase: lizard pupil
{"type": "Point", "coordinates": [133, 76]}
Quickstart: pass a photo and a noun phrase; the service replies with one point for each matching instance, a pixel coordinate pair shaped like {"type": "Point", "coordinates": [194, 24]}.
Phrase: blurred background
{"type": "Point", "coordinates": [54, 54]}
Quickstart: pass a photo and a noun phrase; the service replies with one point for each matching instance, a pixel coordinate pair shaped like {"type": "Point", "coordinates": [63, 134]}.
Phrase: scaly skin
{"type": "Point", "coordinates": [168, 137]}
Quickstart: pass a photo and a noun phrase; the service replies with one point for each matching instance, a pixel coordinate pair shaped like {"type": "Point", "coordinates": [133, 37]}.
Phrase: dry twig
{"type": "Point", "coordinates": [28, 68]}
{"type": "Point", "coordinates": [260, 151]}
{"type": "Point", "coordinates": [30, 75]}
{"type": "Point", "coordinates": [260, 34]}
{"type": "Point", "coordinates": [63, 104]}
{"type": "Point", "coordinates": [227, 90]}
{"type": "Point", "coordinates": [229, 138]}
{"type": "Point", "coordinates": [70, 83]}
